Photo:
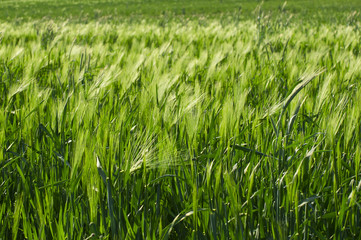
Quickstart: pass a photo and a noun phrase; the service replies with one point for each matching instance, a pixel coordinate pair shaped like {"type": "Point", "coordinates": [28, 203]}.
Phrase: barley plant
{"type": "Point", "coordinates": [214, 127]}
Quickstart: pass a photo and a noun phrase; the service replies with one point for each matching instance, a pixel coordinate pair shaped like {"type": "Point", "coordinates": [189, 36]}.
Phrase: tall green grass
{"type": "Point", "coordinates": [201, 129]}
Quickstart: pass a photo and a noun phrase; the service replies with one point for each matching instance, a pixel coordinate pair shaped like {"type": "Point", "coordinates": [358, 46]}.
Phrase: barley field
{"type": "Point", "coordinates": [181, 125]}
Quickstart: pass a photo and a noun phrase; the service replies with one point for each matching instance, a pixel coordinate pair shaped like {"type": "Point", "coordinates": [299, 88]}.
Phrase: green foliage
{"type": "Point", "coordinates": [209, 128]}
{"type": "Point", "coordinates": [137, 10]}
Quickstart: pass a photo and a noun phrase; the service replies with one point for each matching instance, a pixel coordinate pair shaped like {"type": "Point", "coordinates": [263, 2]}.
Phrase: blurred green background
{"type": "Point", "coordinates": [88, 10]}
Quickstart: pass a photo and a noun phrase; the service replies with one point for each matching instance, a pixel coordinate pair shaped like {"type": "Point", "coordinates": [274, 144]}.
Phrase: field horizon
{"type": "Point", "coordinates": [83, 11]}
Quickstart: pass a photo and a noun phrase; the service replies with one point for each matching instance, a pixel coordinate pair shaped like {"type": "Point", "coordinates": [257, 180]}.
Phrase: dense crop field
{"type": "Point", "coordinates": [181, 127]}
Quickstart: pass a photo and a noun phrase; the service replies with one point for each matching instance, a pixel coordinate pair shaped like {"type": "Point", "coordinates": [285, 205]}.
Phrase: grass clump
{"type": "Point", "coordinates": [201, 129]}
